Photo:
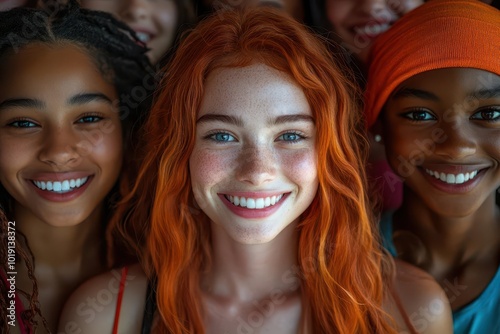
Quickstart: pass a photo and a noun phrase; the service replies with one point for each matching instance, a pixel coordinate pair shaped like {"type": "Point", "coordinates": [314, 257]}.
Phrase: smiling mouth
{"type": "Point", "coordinates": [452, 178]}
{"type": "Point", "coordinates": [254, 203]}
{"type": "Point", "coordinates": [372, 30]}
{"type": "Point", "coordinates": [143, 37]}
{"type": "Point", "coordinates": [61, 187]}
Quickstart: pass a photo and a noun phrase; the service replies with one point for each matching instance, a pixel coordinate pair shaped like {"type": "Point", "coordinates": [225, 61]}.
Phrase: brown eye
{"type": "Point", "coordinates": [487, 115]}
{"type": "Point", "coordinates": [419, 115]}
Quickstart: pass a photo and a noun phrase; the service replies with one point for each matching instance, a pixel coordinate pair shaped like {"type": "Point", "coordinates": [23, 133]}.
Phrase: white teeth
{"type": "Point", "coordinates": [251, 203]}
{"type": "Point", "coordinates": [143, 37]}
{"type": "Point", "coordinates": [254, 203]}
{"type": "Point", "coordinates": [452, 178]}
{"type": "Point", "coordinates": [372, 29]}
{"type": "Point", "coordinates": [61, 187]}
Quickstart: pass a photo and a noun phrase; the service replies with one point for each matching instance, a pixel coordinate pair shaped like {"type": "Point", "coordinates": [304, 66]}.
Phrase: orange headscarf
{"type": "Point", "coordinates": [438, 34]}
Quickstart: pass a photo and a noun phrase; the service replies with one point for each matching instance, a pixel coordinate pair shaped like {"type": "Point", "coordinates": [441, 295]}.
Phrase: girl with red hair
{"type": "Point", "coordinates": [249, 213]}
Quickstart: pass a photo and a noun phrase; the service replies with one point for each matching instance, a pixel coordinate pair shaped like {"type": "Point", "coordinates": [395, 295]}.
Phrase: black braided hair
{"type": "Point", "coordinates": [120, 57]}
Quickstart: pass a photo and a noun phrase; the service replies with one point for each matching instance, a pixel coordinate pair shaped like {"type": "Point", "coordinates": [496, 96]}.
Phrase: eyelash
{"type": "Point", "coordinates": [407, 114]}
{"type": "Point", "coordinates": [301, 136]}
{"type": "Point", "coordinates": [21, 120]}
{"type": "Point", "coordinates": [487, 110]}
{"type": "Point", "coordinates": [211, 136]}
{"type": "Point", "coordinates": [89, 115]}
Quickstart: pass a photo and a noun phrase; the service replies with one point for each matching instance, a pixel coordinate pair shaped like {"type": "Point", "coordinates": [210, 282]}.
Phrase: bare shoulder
{"type": "Point", "coordinates": [423, 299]}
{"type": "Point", "coordinates": [92, 307]}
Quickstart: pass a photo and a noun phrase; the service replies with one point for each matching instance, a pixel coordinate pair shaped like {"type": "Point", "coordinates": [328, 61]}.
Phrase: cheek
{"type": "Point", "coordinates": [337, 11]}
{"type": "Point", "coordinates": [14, 154]}
{"type": "Point", "coordinates": [300, 166]}
{"type": "Point", "coordinates": [108, 152]}
{"type": "Point", "coordinates": [209, 167]}
{"type": "Point", "coordinates": [166, 17]}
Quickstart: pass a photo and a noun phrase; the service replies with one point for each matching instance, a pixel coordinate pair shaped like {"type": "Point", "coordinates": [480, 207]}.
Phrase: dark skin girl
{"type": "Point", "coordinates": [442, 135]}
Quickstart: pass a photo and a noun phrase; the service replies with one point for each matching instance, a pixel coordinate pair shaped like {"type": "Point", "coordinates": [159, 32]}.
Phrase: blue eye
{"type": "Point", "coordinates": [290, 137]}
{"type": "Point", "coordinates": [491, 115]}
{"type": "Point", "coordinates": [419, 115]}
{"type": "Point", "coordinates": [221, 137]}
{"type": "Point", "coordinates": [22, 124]}
{"type": "Point", "coordinates": [89, 119]}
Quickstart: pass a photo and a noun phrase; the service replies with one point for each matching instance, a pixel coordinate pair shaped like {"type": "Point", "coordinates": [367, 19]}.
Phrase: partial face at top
{"type": "Point", "coordinates": [154, 21]}
{"type": "Point", "coordinates": [253, 168]}
{"type": "Point", "coordinates": [358, 22]}
{"type": "Point", "coordinates": [442, 135]}
{"type": "Point", "coordinates": [60, 134]}
{"type": "Point", "coordinates": [9, 4]}
{"type": "Point", "coordinates": [293, 7]}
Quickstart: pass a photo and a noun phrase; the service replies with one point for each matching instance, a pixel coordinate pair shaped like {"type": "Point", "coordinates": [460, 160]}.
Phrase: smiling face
{"type": "Point", "coordinates": [442, 135]}
{"type": "Point", "coordinates": [60, 135]}
{"type": "Point", "coordinates": [155, 22]}
{"type": "Point", "coordinates": [253, 167]}
{"type": "Point", "coordinates": [357, 23]}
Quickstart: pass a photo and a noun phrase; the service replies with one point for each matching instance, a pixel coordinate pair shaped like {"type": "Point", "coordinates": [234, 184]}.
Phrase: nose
{"type": "Point", "coordinates": [134, 10]}
{"type": "Point", "coordinates": [60, 149]}
{"type": "Point", "coordinates": [256, 165]}
{"type": "Point", "coordinates": [458, 143]}
{"type": "Point", "coordinates": [375, 8]}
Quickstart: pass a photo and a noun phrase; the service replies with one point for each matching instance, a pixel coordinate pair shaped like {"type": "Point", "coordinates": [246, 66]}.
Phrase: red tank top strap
{"type": "Point", "coordinates": [24, 329]}
{"type": "Point", "coordinates": [402, 311]}
{"type": "Point", "coordinates": [119, 300]}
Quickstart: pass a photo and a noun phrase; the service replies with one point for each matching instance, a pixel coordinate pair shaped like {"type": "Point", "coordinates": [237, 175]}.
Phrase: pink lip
{"type": "Point", "coordinates": [254, 194]}
{"type": "Point", "coordinates": [253, 213]}
{"type": "Point", "coordinates": [66, 197]}
{"type": "Point", "coordinates": [144, 30]}
{"type": "Point", "coordinates": [454, 188]}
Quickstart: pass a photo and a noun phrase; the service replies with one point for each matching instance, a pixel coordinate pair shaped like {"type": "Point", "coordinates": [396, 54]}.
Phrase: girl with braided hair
{"type": "Point", "coordinates": [250, 209]}
{"type": "Point", "coordinates": [69, 107]}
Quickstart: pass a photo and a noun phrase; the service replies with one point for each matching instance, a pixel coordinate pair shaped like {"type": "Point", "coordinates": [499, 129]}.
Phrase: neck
{"type": "Point", "coordinates": [55, 246]}
{"type": "Point", "coordinates": [252, 272]}
{"type": "Point", "coordinates": [452, 239]}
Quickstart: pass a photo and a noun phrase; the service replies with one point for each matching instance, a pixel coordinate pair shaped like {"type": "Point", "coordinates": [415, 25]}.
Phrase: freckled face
{"type": "Point", "coordinates": [60, 135]}
{"type": "Point", "coordinates": [155, 22]}
{"type": "Point", "coordinates": [253, 167]}
{"type": "Point", "coordinates": [442, 135]}
{"type": "Point", "coordinates": [358, 22]}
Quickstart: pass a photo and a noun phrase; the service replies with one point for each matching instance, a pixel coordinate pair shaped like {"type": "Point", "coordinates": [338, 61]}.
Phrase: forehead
{"type": "Point", "coordinates": [253, 89]}
{"type": "Point", "coordinates": [453, 81]}
{"type": "Point", "coordinates": [62, 67]}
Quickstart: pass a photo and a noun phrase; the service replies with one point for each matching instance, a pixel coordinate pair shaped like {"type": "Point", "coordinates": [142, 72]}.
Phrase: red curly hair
{"type": "Point", "coordinates": [159, 216]}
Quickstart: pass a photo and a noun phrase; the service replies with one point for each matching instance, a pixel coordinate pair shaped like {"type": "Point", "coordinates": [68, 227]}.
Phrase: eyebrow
{"type": "Point", "coordinates": [239, 122]}
{"type": "Point", "coordinates": [220, 118]}
{"type": "Point", "coordinates": [80, 99]}
{"type": "Point", "coordinates": [486, 93]}
{"type": "Point", "coordinates": [292, 118]}
{"type": "Point", "coordinates": [22, 103]}
{"type": "Point", "coordinates": [413, 92]}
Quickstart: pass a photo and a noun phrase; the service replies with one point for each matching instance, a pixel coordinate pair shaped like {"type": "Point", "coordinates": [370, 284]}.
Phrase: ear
{"type": "Point", "coordinates": [376, 132]}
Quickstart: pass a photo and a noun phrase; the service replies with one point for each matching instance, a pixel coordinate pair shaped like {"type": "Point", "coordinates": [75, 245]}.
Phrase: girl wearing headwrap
{"type": "Point", "coordinates": [434, 86]}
